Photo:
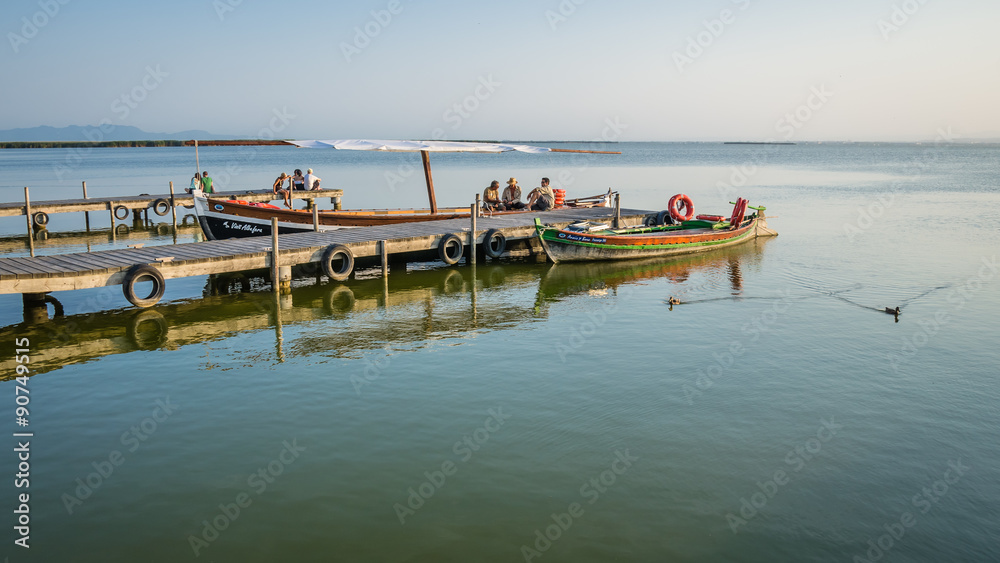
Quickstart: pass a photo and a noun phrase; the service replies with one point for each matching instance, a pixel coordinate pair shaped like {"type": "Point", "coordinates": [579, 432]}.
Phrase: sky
{"type": "Point", "coordinates": [730, 70]}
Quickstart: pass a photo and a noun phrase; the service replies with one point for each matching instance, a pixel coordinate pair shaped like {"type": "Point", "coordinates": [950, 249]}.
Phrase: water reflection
{"type": "Point", "coordinates": [408, 309]}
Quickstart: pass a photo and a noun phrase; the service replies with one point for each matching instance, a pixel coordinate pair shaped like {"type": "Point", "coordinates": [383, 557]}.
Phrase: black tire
{"type": "Point", "coordinates": [140, 338]}
{"type": "Point", "coordinates": [453, 241]}
{"type": "Point", "coordinates": [665, 218]}
{"type": "Point", "coordinates": [40, 218]}
{"type": "Point", "coordinates": [118, 215]}
{"type": "Point", "coordinates": [494, 243]}
{"type": "Point", "coordinates": [331, 254]}
{"type": "Point", "coordinates": [161, 207]}
{"type": "Point", "coordinates": [650, 221]}
{"type": "Point", "coordinates": [138, 273]}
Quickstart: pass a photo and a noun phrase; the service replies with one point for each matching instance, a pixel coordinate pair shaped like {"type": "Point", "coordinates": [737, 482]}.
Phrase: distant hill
{"type": "Point", "coordinates": [84, 133]}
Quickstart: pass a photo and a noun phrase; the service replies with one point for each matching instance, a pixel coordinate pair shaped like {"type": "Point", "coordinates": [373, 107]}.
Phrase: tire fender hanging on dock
{"type": "Point", "coordinates": [140, 273]}
{"type": "Point", "coordinates": [494, 243]}
{"type": "Point", "coordinates": [40, 218]}
{"type": "Point", "coordinates": [161, 207]}
{"type": "Point", "coordinates": [450, 248]}
{"type": "Point", "coordinates": [330, 255]}
{"type": "Point", "coordinates": [122, 209]}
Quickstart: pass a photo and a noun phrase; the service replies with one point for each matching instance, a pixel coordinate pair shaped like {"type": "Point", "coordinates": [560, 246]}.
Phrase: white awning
{"type": "Point", "coordinates": [415, 146]}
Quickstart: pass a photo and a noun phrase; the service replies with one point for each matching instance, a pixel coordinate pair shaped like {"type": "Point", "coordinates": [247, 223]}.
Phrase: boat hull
{"type": "Point", "coordinates": [571, 246]}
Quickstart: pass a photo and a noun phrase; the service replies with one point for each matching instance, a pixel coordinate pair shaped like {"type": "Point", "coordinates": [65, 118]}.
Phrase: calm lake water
{"type": "Point", "coordinates": [523, 411]}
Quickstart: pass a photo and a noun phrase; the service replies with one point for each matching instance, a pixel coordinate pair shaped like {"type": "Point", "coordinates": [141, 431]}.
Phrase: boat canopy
{"type": "Point", "coordinates": [417, 146]}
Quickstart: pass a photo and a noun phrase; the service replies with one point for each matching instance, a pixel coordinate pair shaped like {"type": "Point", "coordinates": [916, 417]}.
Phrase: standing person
{"type": "Point", "coordinates": [298, 180]}
{"type": "Point", "coordinates": [312, 180]}
{"type": "Point", "coordinates": [542, 198]}
{"type": "Point", "coordinates": [278, 190]}
{"type": "Point", "coordinates": [206, 183]}
{"type": "Point", "coordinates": [195, 183]}
{"type": "Point", "coordinates": [491, 197]}
{"type": "Point", "coordinates": [512, 195]}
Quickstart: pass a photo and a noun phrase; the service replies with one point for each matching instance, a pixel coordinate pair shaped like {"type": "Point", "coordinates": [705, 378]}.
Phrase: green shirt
{"type": "Point", "coordinates": [206, 185]}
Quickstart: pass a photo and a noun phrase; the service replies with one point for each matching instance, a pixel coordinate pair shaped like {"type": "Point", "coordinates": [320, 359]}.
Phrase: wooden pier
{"type": "Point", "coordinates": [36, 276]}
{"type": "Point", "coordinates": [121, 207]}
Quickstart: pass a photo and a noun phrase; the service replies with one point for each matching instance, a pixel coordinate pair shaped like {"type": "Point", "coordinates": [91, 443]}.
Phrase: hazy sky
{"type": "Point", "coordinates": [541, 70]}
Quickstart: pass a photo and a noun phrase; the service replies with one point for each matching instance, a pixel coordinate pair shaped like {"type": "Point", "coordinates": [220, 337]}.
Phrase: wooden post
{"type": "Point", "coordinates": [315, 210]}
{"type": "Point", "coordinates": [474, 212]}
{"type": "Point", "coordinates": [111, 210]}
{"type": "Point", "coordinates": [618, 211]}
{"type": "Point", "coordinates": [385, 257]}
{"type": "Point", "coordinates": [336, 203]}
{"type": "Point", "coordinates": [27, 215]}
{"type": "Point", "coordinates": [274, 253]}
{"type": "Point", "coordinates": [86, 214]}
{"type": "Point", "coordinates": [425, 157]}
{"type": "Point", "coordinates": [173, 206]}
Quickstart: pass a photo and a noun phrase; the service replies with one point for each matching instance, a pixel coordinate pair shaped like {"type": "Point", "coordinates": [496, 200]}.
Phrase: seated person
{"type": "Point", "coordinates": [312, 180]}
{"type": "Point", "coordinates": [491, 197]}
{"type": "Point", "coordinates": [542, 198]}
{"type": "Point", "coordinates": [278, 190]}
{"type": "Point", "coordinates": [512, 195]}
{"type": "Point", "coordinates": [298, 180]}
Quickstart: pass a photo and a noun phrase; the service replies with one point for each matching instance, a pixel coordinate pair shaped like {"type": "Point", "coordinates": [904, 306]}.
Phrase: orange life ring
{"type": "Point", "coordinates": [738, 212]}
{"type": "Point", "coordinates": [675, 204]}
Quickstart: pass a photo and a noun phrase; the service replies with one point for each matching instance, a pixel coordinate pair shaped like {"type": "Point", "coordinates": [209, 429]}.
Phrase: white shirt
{"type": "Point", "coordinates": [311, 179]}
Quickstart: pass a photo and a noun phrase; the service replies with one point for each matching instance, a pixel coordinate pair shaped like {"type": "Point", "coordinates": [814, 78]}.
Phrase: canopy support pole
{"type": "Point", "coordinates": [425, 156]}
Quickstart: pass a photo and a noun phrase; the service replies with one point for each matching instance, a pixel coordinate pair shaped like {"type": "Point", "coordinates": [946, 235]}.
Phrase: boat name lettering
{"type": "Point", "coordinates": [579, 238]}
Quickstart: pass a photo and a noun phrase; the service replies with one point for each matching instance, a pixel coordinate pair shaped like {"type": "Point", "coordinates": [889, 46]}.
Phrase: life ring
{"type": "Point", "coordinates": [453, 242]}
{"type": "Point", "coordinates": [712, 218]}
{"type": "Point", "coordinates": [675, 205]}
{"type": "Point", "coordinates": [665, 217]}
{"type": "Point", "coordinates": [118, 215]}
{"type": "Point", "coordinates": [738, 211]}
{"type": "Point", "coordinates": [161, 207]}
{"type": "Point", "coordinates": [40, 218]}
{"type": "Point", "coordinates": [331, 254]}
{"type": "Point", "coordinates": [138, 273]}
{"type": "Point", "coordinates": [494, 243]}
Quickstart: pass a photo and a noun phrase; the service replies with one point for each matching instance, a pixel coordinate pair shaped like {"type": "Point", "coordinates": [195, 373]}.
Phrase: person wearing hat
{"type": "Point", "coordinates": [312, 180]}
{"type": "Point", "coordinates": [491, 197]}
{"type": "Point", "coordinates": [278, 190]}
{"type": "Point", "coordinates": [512, 195]}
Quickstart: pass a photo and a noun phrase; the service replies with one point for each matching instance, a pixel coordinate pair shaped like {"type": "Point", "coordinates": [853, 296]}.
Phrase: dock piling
{"type": "Point", "coordinates": [27, 215]}
{"type": "Point", "coordinates": [86, 214]}
{"type": "Point", "coordinates": [474, 212]}
{"type": "Point", "coordinates": [274, 253]}
{"type": "Point", "coordinates": [315, 211]}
